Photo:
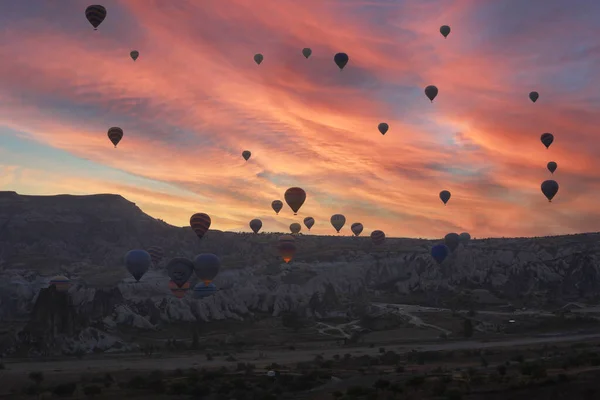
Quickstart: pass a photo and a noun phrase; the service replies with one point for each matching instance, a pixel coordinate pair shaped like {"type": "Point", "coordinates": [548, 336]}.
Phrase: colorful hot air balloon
{"type": "Point", "coordinates": [95, 14]}
{"type": "Point", "coordinates": [465, 237]}
{"type": "Point", "coordinates": [246, 154]}
{"type": "Point", "coordinates": [200, 223]}
{"type": "Point", "coordinates": [431, 92]}
{"type": "Point", "coordinates": [61, 283]}
{"type": "Point", "coordinates": [549, 188]}
{"type": "Point", "coordinates": [306, 52]}
{"type": "Point", "coordinates": [179, 291]}
{"type": "Point", "coordinates": [356, 228]}
{"type": "Point", "coordinates": [445, 196]}
{"type": "Point", "coordinates": [295, 228]}
{"type": "Point", "coordinates": [533, 96]}
{"type": "Point", "coordinates": [377, 237]}
{"type": "Point", "coordinates": [295, 197]}
{"type": "Point", "coordinates": [206, 267]}
{"type": "Point", "coordinates": [277, 205]}
{"type": "Point", "coordinates": [137, 263]}
{"type": "Point", "coordinates": [439, 252]}
{"type": "Point", "coordinates": [552, 166]}
{"type": "Point", "coordinates": [258, 58]}
{"type": "Point", "coordinates": [202, 290]}
{"type": "Point", "coordinates": [383, 128]}
{"type": "Point", "coordinates": [255, 225]}
{"type": "Point", "coordinates": [157, 254]}
{"type": "Point", "coordinates": [547, 139]}
{"type": "Point", "coordinates": [452, 240]}
{"type": "Point", "coordinates": [309, 222]}
{"type": "Point", "coordinates": [341, 59]}
{"type": "Point", "coordinates": [134, 54]}
{"type": "Point", "coordinates": [338, 221]}
{"type": "Point", "coordinates": [115, 134]}
{"type": "Point", "coordinates": [445, 30]}
{"type": "Point", "coordinates": [179, 270]}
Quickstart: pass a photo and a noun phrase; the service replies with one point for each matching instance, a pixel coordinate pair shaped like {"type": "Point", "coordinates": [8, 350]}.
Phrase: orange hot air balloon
{"type": "Point", "coordinates": [295, 197]}
{"type": "Point", "coordinates": [177, 291]}
{"type": "Point", "coordinates": [200, 223]}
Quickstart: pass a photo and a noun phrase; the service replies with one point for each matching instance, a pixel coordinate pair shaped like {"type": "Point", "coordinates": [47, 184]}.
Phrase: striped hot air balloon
{"type": "Point", "coordinates": [338, 221]}
{"type": "Point", "coordinates": [309, 222]}
{"type": "Point", "coordinates": [115, 134]}
{"type": "Point", "coordinates": [95, 14]}
{"type": "Point", "coordinates": [177, 291]}
{"type": "Point", "coordinates": [61, 283]}
{"type": "Point", "coordinates": [157, 254]}
{"type": "Point", "coordinates": [202, 290]}
{"type": "Point", "coordinates": [295, 228]}
{"type": "Point", "coordinates": [356, 228]}
{"type": "Point", "coordinates": [378, 237]}
{"type": "Point", "coordinates": [277, 205]}
{"type": "Point", "coordinates": [295, 197]}
{"type": "Point", "coordinates": [200, 223]}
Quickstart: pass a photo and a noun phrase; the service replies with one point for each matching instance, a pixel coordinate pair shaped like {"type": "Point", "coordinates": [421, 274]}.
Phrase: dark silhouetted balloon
{"type": "Point", "coordinates": [445, 30]}
{"type": "Point", "coordinates": [277, 205]}
{"type": "Point", "coordinates": [445, 196]}
{"type": "Point", "coordinates": [439, 252]}
{"type": "Point", "coordinates": [246, 154]}
{"type": "Point", "coordinates": [134, 54]}
{"type": "Point", "coordinates": [552, 166]}
{"type": "Point", "coordinates": [200, 223]}
{"type": "Point", "coordinates": [115, 134]}
{"type": "Point", "coordinates": [258, 58]}
{"type": "Point", "coordinates": [137, 263]}
{"type": "Point", "coordinates": [295, 197]}
{"type": "Point", "coordinates": [295, 227]}
{"type": "Point", "coordinates": [206, 267]}
{"type": "Point", "coordinates": [465, 237]}
{"type": "Point", "coordinates": [431, 92]}
{"type": "Point", "coordinates": [306, 52]}
{"type": "Point", "coordinates": [341, 59]}
{"type": "Point", "coordinates": [338, 221]}
{"type": "Point", "coordinates": [383, 128]}
{"type": "Point", "coordinates": [549, 188]}
{"type": "Point", "coordinates": [255, 225]}
{"type": "Point", "coordinates": [287, 247]}
{"type": "Point", "coordinates": [452, 240]}
{"type": "Point", "coordinates": [377, 237]}
{"type": "Point", "coordinates": [547, 139]}
{"type": "Point", "coordinates": [309, 222]}
{"type": "Point", "coordinates": [179, 270]}
{"type": "Point", "coordinates": [356, 228]}
{"type": "Point", "coordinates": [95, 14]}
{"type": "Point", "coordinates": [533, 96]}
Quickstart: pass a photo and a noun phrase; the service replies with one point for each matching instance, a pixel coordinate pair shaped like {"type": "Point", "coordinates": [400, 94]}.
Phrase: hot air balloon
{"type": "Point", "coordinates": [295, 197]}
{"type": "Point", "coordinates": [338, 221]}
{"type": "Point", "coordinates": [134, 54]}
{"type": "Point", "coordinates": [295, 228]}
{"type": "Point", "coordinates": [431, 92]}
{"type": "Point", "coordinates": [157, 254]}
{"type": "Point", "coordinates": [258, 58]}
{"type": "Point", "coordinates": [439, 252]}
{"type": "Point", "coordinates": [547, 139]}
{"type": "Point", "coordinates": [246, 154]}
{"type": "Point", "coordinates": [277, 205]}
{"type": "Point", "coordinates": [445, 196]}
{"type": "Point", "coordinates": [383, 128]}
{"type": "Point", "coordinates": [552, 166]}
{"type": "Point", "coordinates": [95, 14]}
{"type": "Point", "coordinates": [115, 134]}
{"type": "Point", "coordinates": [445, 30]}
{"type": "Point", "coordinates": [309, 222]}
{"type": "Point", "coordinates": [377, 237]}
{"type": "Point", "coordinates": [533, 96]}
{"type": "Point", "coordinates": [255, 225]}
{"type": "Point", "coordinates": [306, 52]}
{"type": "Point", "coordinates": [465, 237]}
{"type": "Point", "coordinates": [200, 223]}
{"type": "Point", "coordinates": [206, 267]}
{"type": "Point", "coordinates": [356, 228]}
{"type": "Point", "coordinates": [202, 290]}
{"type": "Point", "coordinates": [341, 59]}
{"type": "Point", "coordinates": [549, 188]}
{"type": "Point", "coordinates": [61, 283]}
{"type": "Point", "coordinates": [137, 263]}
{"type": "Point", "coordinates": [452, 240]}
{"type": "Point", "coordinates": [287, 238]}
{"type": "Point", "coordinates": [179, 270]}
{"type": "Point", "coordinates": [179, 291]}
{"type": "Point", "coordinates": [287, 250]}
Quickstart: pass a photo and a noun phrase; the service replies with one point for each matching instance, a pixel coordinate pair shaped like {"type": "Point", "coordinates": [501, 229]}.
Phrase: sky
{"type": "Point", "coordinates": [195, 99]}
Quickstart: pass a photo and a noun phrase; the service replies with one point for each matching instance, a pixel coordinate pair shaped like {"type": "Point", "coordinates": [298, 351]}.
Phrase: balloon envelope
{"type": "Point", "coordinates": [431, 92]}
{"type": "Point", "coordinates": [341, 59]}
{"type": "Point", "coordinates": [206, 267]}
{"type": "Point", "coordinates": [95, 14]}
{"type": "Point", "coordinates": [338, 221]}
{"type": "Point", "coordinates": [295, 197]}
{"type": "Point", "coordinates": [258, 58]}
{"type": "Point", "coordinates": [137, 263]}
{"type": "Point", "coordinates": [452, 240]}
{"type": "Point", "coordinates": [255, 225]}
{"type": "Point", "coordinates": [356, 228]}
{"type": "Point", "coordinates": [200, 223]}
{"type": "Point", "coordinates": [445, 196]}
{"type": "Point", "coordinates": [533, 96]}
{"type": "Point", "coordinates": [295, 227]}
{"type": "Point", "coordinates": [179, 270]}
{"type": "Point", "coordinates": [552, 166]}
{"type": "Point", "coordinates": [115, 134]}
{"type": "Point", "coordinates": [287, 250]}
{"type": "Point", "coordinates": [306, 52]}
{"type": "Point", "coordinates": [550, 188]}
{"type": "Point", "coordinates": [465, 237]}
{"type": "Point", "coordinates": [445, 30]}
{"type": "Point", "coordinates": [377, 237]}
{"type": "Point", "coordinates": [134, 54]}
{"type": "Point", "coordinates": [246, 154]}
{"type": "Point", "coordinates": [277, 205]}
{"type": "Point", "coordinates": [309, 222]}
{"type": "Point", "coordinates": [439, 252]}
{"type": "Point", "coordinates": [202, 290]}
{"type": "Point", "coordinates": [547, 139]}
{"type": "Point", "coordinates": [383, 128]}
{"type": "Point", "coordinates": [61, 283]}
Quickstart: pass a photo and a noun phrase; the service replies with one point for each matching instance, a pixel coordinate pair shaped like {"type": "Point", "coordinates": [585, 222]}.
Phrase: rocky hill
{"type": "Point", "coordinates": [85, 238]}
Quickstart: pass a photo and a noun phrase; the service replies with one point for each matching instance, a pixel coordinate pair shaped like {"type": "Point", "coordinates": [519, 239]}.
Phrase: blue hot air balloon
{"type": "Point", "coordinates": [439, 252]}
{"type": "Point", "coordinates": [202, 290]}
{"type": "Point", "coordinates": [206, 267]}
{"type": "Point", "coordinates": [137, 263]}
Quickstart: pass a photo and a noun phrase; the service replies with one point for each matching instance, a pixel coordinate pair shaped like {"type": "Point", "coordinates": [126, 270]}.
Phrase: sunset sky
{"type": "Point", "coordinates": [195, 99]}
